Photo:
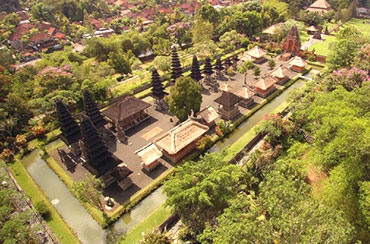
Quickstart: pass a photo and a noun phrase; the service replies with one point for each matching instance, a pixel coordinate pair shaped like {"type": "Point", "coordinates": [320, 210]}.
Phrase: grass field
{"type": "Point", "coordinates": [61, 230]}
{"type": "Point", "coordinates": [151, 222]}
{"type": "Point", "coordinates": [322, 47]}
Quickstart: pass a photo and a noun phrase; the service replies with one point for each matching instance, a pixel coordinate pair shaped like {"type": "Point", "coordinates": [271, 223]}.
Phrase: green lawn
{"type": "Point", "coordinates": [150, 223]}
{"type": "Point", "coordinates": [322, 47]}
{"type": "Point", "coordinates": [62, 231]}
{"type": "Point", "coordinates": [360, 25]}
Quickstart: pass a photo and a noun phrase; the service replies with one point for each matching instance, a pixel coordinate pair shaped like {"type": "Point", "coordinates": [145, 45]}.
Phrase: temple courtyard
{"type": "Point", "coordinates": [159, 123]}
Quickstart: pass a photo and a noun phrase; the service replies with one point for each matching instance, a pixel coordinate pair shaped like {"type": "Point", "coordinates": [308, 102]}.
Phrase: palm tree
{"type": "Point", "coordinates": [243, 69]}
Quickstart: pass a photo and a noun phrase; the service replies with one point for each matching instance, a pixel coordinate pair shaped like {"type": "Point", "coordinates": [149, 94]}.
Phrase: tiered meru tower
{"type": "Point", "coordinates": [71, 132]}
{"type": "Point", "coordinates": [92, 110]}
{"type": "Point", "coordinates": [195, 70]}
{"type": "Point", "coordinates": [175, 66]}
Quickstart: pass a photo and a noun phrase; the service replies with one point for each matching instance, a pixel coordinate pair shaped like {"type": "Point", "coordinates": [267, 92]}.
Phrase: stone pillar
{"type": "Point", "coordinates": [75, 149]}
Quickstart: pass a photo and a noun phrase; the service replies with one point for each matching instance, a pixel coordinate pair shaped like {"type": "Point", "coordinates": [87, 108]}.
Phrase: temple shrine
{"type": "Point", "coordinates": [292, 43]}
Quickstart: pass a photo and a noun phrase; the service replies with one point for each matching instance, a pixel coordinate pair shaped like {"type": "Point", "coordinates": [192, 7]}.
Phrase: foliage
{"type": "Point", "coordinates": [184, 98]}
{"type": "Point", "coordinates": [223, 128]}
{"type": "Point", "coordinates": [257, 71]}
{"type": "Point", "coordinates": [89, 190]}
{"type": "Point", "coordinates": [162, 63]}
{"type": "Point", "coordinates": [199, 191]}
{"type": "Point", "coordinates": [203, 143]}
{"type": "Point", "coordinates": [284, 29]}
{"type": "Point", "coordinates": [271, 63]}
{"type": "Point", "coordinates": [42, 209]}
{"type": "Point", "coordinates": [156, 237]}
{"type": "Point", "coordinates": [365, 201]}
{"type": "Point", "coordinates": [202, 31]}
{"type": "Point", "coordinates": [231, 40]}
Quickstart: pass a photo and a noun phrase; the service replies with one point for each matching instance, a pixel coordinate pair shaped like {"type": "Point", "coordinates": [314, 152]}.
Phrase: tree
{"type": "Point", "coordinates": [342, 54]}
{"type": "Point", "coordinates": [199, 191]}
{"type": "Point", "coordinates": [185, 97]}
{"type": "Point", "coordinates": [365, 201]}
{"type": "Point", "coordinates": [257, 71]}
{"type": "Point", "coordinates": [243, 69]}
{"type": "Point", "coordinates": [156, 237]}
{"type": "Point", "coordinates": [162, 63]}
{"type": "Point", "coordinates": [119, 62]}
{"type": "Point", "coordinates": [231, 40]}
{"type": "Point", "coordinates": [175, 66]}
{"type": "Point", "coordinates": [195, 70]}
{"type": "Point", "coordinates": [202, 31]}
{"type": "Point", "coordinates": [271, 63]}
{"type": "Point", "coordinates": [89, 190]}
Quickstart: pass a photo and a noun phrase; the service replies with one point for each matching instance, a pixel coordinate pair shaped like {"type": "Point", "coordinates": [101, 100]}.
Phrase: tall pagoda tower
{"type": "Point", "coordinates": [219, 68]}
{"type": "Point", "coordinates": [71, 132]}
{"type": "Point", "coordinates": [228, 63]}
{"type": "Point", "coordinates": [208, 71]}
{"type": "Point", "coordinates": [92, 110]}
{"type": "Point", "coordinates": [176, 65]}
{"type": "Point", "coordinates": [99, 160]}
{"type": "Point", "coordinates": [195, 70]}
{"type": "Point", "coordinates": [292, 43]}
{"type": "Point", "coordinates": [157, 86]}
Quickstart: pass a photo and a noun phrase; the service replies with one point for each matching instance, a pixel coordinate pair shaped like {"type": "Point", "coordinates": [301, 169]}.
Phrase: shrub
{"type": "Point", "coordinates": [204, 142]}
{"type": "Point", "coordinates": [230, 71]}
{"type": "Point", "coordinates": [257, 71]}
{"type": "Point", "coordinates": [42, 209]}
{"type": "Point", "coordinates": [271, 63]}
{"type": "Point", "coordinates": [7, 155]}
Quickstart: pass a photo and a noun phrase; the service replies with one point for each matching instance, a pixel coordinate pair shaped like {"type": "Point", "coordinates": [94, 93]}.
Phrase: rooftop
{"type": "Point", "coordinates": [280, 72]}
{"type": "Point", "coordinates": [245, 93]}
{"type": "Point", "coordinates": [256, 52]}
{"type": "Point", "coordinates": [125, 108]}
{"type": "Point", "coordinates": [320, 4]}
{"type": "Point", "coordinates": [297, 61]}
{"type": "Point", "coordinates": [149, 153]}
{"type": "Point", "coordinates": [265, 83]}
{"type": "Point", "coordinates": [227, 99]}
{"type": "Point", "coordinates": [208, 114]}
{"type": "Point", "coordinates": [181, 136]}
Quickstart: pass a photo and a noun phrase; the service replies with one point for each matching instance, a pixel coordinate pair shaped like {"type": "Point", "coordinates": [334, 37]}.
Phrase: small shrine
{"type": "Point", "coordinates": [219, 68]}
{"type": "Point", "coordinates": [292, 43]}
{"type": "Point", "coordinates": [297, 64]}
{"type": "Point", "coordinates": [281, 74]}
{"type": "Point", "coordinates": [246, 95]}
{"type": "Point", "coordinates": [208, 116]}
{"type": "Point", "coordinates": [265, 86]}
{"type": "Point", "coordinates": [181, 140]}
{"type": "Point", "coordinates": [150, 155]}
{"type": "Point", "coordinates": [228, 105]}
{"type": "Point", "coordinates": [257, 54]}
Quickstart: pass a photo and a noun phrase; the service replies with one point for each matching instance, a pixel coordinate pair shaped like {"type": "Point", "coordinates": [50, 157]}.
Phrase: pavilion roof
{"type": "Point", "coordinates": [297, 61]}
{"type": "Point", "coordinates": [228, 99]}
{"type": "Point", "coordinates": [209, 114]}
{"type": "Point", "coordinates": [125, 108]}
{"type": "Point", "coordinates": [245, 93]}
{"type": "Point", "coordinates": [280, 72]}
{"type": "Point", "coordinates": [181, 136]}
{"type": "Point", "coordinates": [256, 52]}
{"type": "Point", "coordinates": [225, 87]}
{"type": "Point", "coordinates": [149, 153]}
{"type": "Point", "coordinates": [320, 4]}
{"type": "Point", "coordinates": [265, 83]}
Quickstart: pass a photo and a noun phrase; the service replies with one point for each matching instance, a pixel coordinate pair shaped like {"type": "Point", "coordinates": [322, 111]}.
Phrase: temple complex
{"type": "Point", "coordinates": [181, 140]}
{"type": "Point", "coordinates": [228, 105]}
{"type": "Point", "coordinates": [71, 133]}
{"type": "Point", "coordinates": [292, 43]}
{"type": "Point", "coordinates": [257, 54]}
{"type": "Point", "coordinates": [320, 6]}
{"type": "Point", "coordinates": [127, 113]}
{"type": "Point", "coordinates": [246, 96]}
{"type": "Point", "coordinates": [281, 74]}
{"type": "Point", "coordinates": [265, 86]}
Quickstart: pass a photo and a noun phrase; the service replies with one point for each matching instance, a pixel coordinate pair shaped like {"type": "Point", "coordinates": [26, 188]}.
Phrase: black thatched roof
{"type": "Point", "coordinates": [208, 67]}
{"type": "Point", "coordinates": [125, 108]}
{"type": "Point", "coordinates": [92, 110]}
{"type": "Point", "coordinates": [195, 70]}
{"type": "Point", "coordinates": [99, 159]}
{"type": "Point", "coordinates": [228, 99]}
{"type": "Point", "coordinates": [175, 65]}
{"type": "Point", "coordinates": [218, 65]}
{"type": "Point", "coordinates": [71, 132]}
{"type": "Point", "coordinates": [157, 86]}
